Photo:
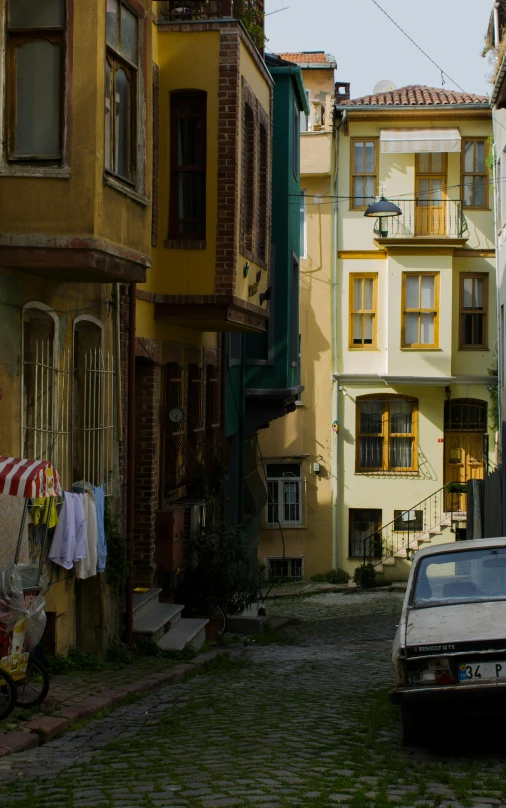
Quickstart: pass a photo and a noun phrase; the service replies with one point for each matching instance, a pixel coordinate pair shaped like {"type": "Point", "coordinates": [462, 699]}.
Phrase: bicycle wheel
{"type": "Point", "coordinates": [33, 689]}
{"type": "Point", "coordinates": [223, 621]}
{"type": "Point", "coordinates": [7, 694]}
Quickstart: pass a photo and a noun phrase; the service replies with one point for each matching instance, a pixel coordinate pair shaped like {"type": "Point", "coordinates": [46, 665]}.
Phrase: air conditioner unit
{"type": "Point", "coordinates": [197, 515]}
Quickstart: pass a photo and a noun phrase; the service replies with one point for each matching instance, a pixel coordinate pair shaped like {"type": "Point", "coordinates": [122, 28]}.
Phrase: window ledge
{"type": "Point", "coordinates": [124, 189]}
{"type": "Point", "coordinates": [40, 172]}
{"type": "Point", "coordinates": [284, 527]}
{"type": "Point", "coordinates": [185, 244]}
{"type": "Point", "coordinates": [422, 349]}
{"type": "Point", "coordinates": [380, 473]}
{"type": "Point", "coordinates": [299, 403]}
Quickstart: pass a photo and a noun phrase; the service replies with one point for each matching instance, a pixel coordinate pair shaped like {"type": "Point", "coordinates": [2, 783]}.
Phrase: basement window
{"type": "Point", "coordinates": [282, 569]}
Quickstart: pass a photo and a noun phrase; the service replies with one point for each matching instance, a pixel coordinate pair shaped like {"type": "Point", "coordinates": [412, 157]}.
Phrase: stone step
{"type": "Point", "coordinates": [157, 621]}
{"type": "Point", "coordinates": [190, 630]}
{"type": "Point", "coordinates": [435, 530]}
{"type": "Point", "coordinates": [389, 562]}
{"type": "Point", "coordinates": [446, 522]}
{"type": "Point", "coordinates": [379, 569]}
{"type": "Point", "coordinates": [144, 601]}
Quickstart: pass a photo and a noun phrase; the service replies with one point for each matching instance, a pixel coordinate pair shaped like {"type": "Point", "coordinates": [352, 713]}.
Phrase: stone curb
{"type": "Point", "coordinates": [44, 729]}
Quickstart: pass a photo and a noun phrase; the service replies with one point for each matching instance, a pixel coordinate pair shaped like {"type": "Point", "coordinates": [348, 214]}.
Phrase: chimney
{"type": "Point", "coordinates": [342, 91]}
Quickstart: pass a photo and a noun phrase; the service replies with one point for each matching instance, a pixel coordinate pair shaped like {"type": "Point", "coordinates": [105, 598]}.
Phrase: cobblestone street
{"type": "Point", "coordinates": [306, 722]}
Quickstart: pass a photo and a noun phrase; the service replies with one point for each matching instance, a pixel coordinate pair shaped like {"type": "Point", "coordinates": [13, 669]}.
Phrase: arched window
{"type": "Point", "coordinates": [465, 415]}
{"type": "Point", "coordinates": [386, 433]}
{"type": "Point", "coordinates": [45, 396]}
{"type": "Point", "coordinates": [93, 407]}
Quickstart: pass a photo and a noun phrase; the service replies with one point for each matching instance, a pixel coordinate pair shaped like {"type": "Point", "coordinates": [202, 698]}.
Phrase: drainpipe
{"type": "Point", "coordinates": [334, 342]}
{"type": "Point", "coordinates": [117, 333]}
{"type": "Point", "coordinates": [130, 514]}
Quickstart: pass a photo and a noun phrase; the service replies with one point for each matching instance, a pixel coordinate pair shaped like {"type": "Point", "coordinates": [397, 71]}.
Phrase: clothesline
{"type": "Point", "coordinates": [79, 540]}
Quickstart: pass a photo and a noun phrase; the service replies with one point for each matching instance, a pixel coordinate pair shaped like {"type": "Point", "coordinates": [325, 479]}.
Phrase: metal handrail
{"type": "Point", "coordinates": [388, 540]}
{"type": "Point", "coordinates": [424, 217]}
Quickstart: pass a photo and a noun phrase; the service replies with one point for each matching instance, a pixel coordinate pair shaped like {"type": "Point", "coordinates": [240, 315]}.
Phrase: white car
{"type": "Point", "coordinates": [450, 645]}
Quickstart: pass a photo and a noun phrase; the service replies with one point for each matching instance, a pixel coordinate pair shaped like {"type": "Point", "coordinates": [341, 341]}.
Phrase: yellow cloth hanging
{"type": "Point", "coordinates": [44, 508]}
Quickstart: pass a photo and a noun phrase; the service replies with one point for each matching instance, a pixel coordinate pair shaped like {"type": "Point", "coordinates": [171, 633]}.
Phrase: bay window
{"type": "Point", "coordinates": [187, 218]}
{"type": "Point", "coordinates": [35, 76]}
{"type": "Point", "coordinates": [121, 90]}
{"type": "Point", "coordinates": [420, 294]}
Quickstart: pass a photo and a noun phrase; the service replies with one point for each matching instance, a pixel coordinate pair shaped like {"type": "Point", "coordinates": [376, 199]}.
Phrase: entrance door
{"type": "Point", "coordinates": [465, 430]}
{"type": "Point", "coordinates": [430, 219]}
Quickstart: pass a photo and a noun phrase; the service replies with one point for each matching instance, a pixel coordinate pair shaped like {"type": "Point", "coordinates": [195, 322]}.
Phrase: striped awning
{"type": "Point", "coordinates": [28, 478]}
{"type": "Point", "coordinates": [418, 141]}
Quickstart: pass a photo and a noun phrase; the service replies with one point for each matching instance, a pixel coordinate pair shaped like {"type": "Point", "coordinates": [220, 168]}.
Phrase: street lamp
{"type": "Point", "coordinates": [381, 210]}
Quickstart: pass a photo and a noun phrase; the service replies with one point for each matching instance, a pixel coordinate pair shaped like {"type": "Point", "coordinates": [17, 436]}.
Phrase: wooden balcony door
{"type": "Point", "coordinates": [430, 187]}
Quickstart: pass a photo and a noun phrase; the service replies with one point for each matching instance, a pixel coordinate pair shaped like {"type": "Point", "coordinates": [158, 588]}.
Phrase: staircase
{"type": "Point", "coordinates": [391, 548]}
{"type": "Point", "coordinates": [162, 623]}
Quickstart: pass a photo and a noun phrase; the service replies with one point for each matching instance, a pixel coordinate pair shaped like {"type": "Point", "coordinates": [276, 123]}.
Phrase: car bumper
{"type": "Point", "coordinates": [448, 693]}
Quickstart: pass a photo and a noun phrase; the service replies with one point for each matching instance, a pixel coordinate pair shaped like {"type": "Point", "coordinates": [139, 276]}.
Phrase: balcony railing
{"type": "Point", "coordinates": [424, 218]}
{"type": "Point", "coordinates": [249, 12]}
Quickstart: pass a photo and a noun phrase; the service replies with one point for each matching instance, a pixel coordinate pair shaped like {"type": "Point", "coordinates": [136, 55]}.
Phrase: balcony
{"type": "Point", "coordinates": [249, 12]}
{"type": "Point", "coordinates": [424, 218]}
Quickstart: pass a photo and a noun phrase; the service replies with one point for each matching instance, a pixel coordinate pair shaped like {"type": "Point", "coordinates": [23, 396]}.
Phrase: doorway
{"type": "Point", "coordinates": [430, 187]}
{"type": "Point", "coordinates": [465, 445]}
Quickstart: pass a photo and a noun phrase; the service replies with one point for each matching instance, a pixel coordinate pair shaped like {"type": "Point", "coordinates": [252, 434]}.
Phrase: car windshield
{"type": "Point", "coordinates": [460, 577]}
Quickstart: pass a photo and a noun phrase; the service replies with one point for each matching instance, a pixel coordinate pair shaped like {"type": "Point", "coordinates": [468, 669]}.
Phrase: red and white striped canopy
{"type": "Point", "coordinates": [28, 478]}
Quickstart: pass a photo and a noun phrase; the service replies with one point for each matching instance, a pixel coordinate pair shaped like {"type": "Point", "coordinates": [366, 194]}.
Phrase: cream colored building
{"type": "Point", "coordinates": [297, 451]}
{"type": "Point", "coordinates": [416, 300]}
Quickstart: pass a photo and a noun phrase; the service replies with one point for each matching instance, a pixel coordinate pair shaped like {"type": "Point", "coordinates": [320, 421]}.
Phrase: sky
{"type": "Point", "coordinates": [369, 48]}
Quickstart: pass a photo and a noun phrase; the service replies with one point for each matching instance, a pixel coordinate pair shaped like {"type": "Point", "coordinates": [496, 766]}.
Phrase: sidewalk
{"type": "Point", "coordinates": [77, 697]}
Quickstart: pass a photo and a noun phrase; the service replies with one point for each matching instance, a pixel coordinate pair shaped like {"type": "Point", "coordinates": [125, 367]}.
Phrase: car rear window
{"type": "Point", "coordinates": [462, 576]}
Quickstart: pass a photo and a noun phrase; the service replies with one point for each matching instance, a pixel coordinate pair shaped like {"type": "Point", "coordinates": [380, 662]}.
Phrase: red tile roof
{"type": "Point", "coordinates": [312, 57]}
{"type": "Point", "coordinates": [417, 95]}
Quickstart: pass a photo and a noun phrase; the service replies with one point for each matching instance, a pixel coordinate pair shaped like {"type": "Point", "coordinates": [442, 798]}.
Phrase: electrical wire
{"type": "Point", "coordinates": [443, 72]}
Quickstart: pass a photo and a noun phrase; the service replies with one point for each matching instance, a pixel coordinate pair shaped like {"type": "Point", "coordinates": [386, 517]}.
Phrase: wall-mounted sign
{"type": "Point", "coordinates": [253, 288]}
{"type": "Point", "coordinates": [440, 440]}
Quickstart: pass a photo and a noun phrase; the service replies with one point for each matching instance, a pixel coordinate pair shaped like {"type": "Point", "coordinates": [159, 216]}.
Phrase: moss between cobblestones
{"type": "Point", "coordinates": [290, 725]}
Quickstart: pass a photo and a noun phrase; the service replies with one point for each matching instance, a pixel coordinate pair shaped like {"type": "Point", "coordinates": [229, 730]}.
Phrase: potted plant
{"type": "Point", "coordinates": [220, 571]}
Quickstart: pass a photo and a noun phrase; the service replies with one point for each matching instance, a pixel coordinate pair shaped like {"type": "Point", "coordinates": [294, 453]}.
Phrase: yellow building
{"type": "Point", "coordinates": [75, 219]}
{"type": "Point", "coordinates": [298, 451]}
{"type": "Point", "coordinates": [417, 325]}
{"type": "Point", "coordinates": [211, 260]}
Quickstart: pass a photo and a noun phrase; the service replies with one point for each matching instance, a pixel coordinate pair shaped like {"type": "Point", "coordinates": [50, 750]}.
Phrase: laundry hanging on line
{"type": "Point", "coordinates": [69, 543]}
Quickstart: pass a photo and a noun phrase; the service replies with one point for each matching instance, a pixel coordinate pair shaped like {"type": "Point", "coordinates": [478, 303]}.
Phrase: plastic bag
{"type": "Point", "coordinates": [17, 609]}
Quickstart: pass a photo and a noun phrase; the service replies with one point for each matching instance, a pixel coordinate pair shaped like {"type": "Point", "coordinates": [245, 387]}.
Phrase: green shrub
{"type": "Point", "coordinates": [365, 576]}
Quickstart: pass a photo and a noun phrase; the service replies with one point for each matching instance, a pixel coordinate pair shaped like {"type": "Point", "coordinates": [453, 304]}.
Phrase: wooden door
{"type": "Point", "coordinates": [430, 208]}
{"type": "Point", "coordinates": [464, 460]}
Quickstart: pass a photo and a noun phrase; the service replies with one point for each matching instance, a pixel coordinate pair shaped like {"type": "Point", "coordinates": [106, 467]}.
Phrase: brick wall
{"type": "Point", "coordinates": [147, 409]}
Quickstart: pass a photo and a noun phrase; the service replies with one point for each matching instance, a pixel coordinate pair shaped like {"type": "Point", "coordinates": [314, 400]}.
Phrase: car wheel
{"type": "Point", "coordinates": [413, 725]}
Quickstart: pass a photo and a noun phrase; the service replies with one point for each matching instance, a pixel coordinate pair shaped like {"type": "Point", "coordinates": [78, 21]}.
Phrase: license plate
{"type": "Point", "coordinates": [474, 671]}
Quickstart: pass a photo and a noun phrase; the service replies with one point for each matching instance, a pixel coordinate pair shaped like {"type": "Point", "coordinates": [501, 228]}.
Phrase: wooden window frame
{"type": "Point", "coordinates": [187, 96]}
{"type": "Point", "coordinates": [14, 37]}
{"type": "Point", "coordinates": [484, 174]}
{"type": "Point", "coordinates": [280, 482]}
{"type": "Point", "coordinates": [353, 311]}
{"type": "Point", "coordinates": [483, 312]}
{"type": "Point", "coordinates": [386, 434]}
{"type": "Point", "coordinates": [420, 346]}
{"type": "Point", "coordinates": [354, 173]}
{"type": "Point", "coordinates": [117, 60]}
{"type": "Point", "coordinates": [263, 218]}
{"type": "Point", "coordinates": [296, 140]}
